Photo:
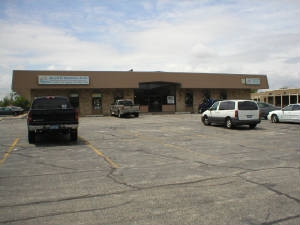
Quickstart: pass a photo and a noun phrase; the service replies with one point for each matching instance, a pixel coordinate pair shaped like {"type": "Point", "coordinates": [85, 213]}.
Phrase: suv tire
{"type": "Point", "coordinates": [74, 135]}
{"type": "Point", "coordinates": [31, 137]}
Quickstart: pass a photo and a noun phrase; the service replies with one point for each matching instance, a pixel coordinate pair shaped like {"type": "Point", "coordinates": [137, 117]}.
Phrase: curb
{"type": "Point", "coordinates": [22, 116]}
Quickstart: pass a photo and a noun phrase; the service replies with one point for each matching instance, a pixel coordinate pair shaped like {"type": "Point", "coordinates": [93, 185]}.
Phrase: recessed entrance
{"type": "Point", "coordinates": [156, 95]}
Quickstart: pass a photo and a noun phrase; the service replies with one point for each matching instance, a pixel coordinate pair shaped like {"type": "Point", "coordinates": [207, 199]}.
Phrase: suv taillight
{"type": "Point", "coordinates": [76, 115]}
{"type": "Point", "coordinates": [236, 114]}
{"type": "Point", "coordinates": [29, 117]}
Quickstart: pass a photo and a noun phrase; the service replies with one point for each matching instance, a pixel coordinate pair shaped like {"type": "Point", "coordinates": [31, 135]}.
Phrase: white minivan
{"type": "Point", "coordinates": [232, 113]}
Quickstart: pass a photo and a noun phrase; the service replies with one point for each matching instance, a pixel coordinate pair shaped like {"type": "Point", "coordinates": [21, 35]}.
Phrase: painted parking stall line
{"type": "Point", "coordinates": [98, 152]}
{"type": "Point", "coordinates": [2, 161]}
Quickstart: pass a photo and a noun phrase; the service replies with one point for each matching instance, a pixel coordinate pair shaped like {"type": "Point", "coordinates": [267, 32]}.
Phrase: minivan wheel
{"type": "Point", "coordinates": [205, 121]}
{"type": "Point", "coordinates": [228, 123]}
{"type": "Point", "coordinates": [274, 119]}
{"type": "Point", "coordinates": [252, 126]}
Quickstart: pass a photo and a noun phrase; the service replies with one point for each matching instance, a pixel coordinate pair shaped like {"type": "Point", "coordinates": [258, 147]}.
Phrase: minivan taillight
{"type": "Point", "coordinates": [236, 114]}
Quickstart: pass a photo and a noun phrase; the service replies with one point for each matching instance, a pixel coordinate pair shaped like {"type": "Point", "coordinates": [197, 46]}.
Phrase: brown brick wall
{"type": "Point", "coordinates": [180, 102]}
{"type": "Point", "coordinates": [108, 95]}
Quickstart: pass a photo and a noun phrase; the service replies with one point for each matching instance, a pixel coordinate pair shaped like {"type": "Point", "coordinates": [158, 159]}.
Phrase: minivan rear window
{"type": "Point", "coordinates": [247, 105]}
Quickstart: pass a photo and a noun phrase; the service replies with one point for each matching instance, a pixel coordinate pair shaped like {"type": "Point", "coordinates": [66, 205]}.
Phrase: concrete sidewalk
{"type": "Point", "coordinates": [9, 117]}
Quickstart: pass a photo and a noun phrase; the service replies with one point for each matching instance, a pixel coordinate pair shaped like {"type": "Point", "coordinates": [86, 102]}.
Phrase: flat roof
{"type": "Point", "coordinates": [29, 79]}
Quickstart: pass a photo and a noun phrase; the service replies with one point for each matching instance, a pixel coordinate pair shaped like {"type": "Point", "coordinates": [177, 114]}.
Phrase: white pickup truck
{"type": "Point", "coordinates": [124, 107]}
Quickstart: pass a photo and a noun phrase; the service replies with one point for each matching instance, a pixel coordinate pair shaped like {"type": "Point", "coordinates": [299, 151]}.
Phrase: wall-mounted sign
{"type": "Point", "coordinates": [96, 95]}
{"type": "Point", "coordinates": [252, 81]}
{"type": "Point", "coordinates": [53, 79]}
{"type": "Point", "coordinates": [171, 99]}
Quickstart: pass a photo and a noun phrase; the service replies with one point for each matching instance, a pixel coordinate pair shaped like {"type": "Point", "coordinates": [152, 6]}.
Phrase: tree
{"type": "Point", "coordinates": [5, 102]}
{"type": "Point", "coordinates": [15, 100]}
{"type": "Point", "coordinates": [21, 102]}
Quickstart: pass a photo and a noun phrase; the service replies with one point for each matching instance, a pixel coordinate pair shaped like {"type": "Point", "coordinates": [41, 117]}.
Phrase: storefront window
{"type": "Point", "coordinates": [223, 95]}
{"type": "Point", "coordinates": [189, 99]}
{"type": "Point", "coordinates": [97, 101]}
{"type": "Point", "coordinates": [74, 100]}
{"type": "Point", "coordinates": [206, 93]}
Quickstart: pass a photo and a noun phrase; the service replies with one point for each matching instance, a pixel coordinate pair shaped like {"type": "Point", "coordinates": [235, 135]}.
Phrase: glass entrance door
{"type": "Point", "coordinates": [155, 95]}
{"type": "Point", "coordinates": [155, 103]}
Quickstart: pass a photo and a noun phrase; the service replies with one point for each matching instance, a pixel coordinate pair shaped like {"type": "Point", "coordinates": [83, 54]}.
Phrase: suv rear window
{"type": "Point", "coordinates": [228, 105]}
{"type": "Point", "coordinates": [50, 103]}
{"type": "Point", "coordinates": [247, 105]}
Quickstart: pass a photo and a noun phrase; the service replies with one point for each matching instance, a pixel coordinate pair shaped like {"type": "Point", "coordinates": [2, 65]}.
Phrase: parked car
{"type": "Point", "coordinates": [265, 108]}
{"type": "Point", "coordinates": [124, 107]}
{"type": "Point", "coordinates": [11, 110]}
{"type": "Point", "coordinates": [206, 104]}
{"type": "Point", "coordinates": [290, 113]}
{"type": "Point", "coordinates": [232, 113]}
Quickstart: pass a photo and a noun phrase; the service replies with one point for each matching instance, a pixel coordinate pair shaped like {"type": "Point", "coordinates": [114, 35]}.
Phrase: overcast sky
{"type": "Point", "coordinates": [229, 36]}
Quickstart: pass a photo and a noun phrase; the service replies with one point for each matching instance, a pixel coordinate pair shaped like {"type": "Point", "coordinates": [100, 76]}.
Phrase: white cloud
{"type": "Point", "coordinates": [189, 36]}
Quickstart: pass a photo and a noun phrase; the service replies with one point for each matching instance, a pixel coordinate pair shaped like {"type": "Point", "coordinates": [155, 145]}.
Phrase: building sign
{"type": "Point", "coordinates": [97, 95]}
{"type": "Point", "coordinates": [250, 81]}
{"type": "Point", "coordinates": [171, 99]}
{"type": "Point", "coordinates": [63, 79]}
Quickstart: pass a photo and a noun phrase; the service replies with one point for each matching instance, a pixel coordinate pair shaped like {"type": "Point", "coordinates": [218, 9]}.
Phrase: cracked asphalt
{"type": "Point", "coordinates": [155, 169]}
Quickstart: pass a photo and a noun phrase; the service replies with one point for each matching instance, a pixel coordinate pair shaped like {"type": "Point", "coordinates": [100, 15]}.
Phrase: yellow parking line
{"type": "Point", "coordinates": [110, 162]}
{"type": "Point", "coordinates": [9, 151]}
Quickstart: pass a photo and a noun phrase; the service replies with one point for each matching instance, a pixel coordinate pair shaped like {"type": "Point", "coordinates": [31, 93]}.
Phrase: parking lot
{"type": "Point", "coordinates": [155, 169]}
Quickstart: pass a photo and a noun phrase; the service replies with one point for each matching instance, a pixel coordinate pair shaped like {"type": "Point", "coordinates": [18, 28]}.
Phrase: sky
{"type": "Point", "coordinates": [201, 36]}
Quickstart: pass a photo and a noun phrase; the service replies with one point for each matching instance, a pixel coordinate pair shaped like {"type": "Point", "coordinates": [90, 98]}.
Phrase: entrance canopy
{"type": "Point", "coordinates": [156, 94]}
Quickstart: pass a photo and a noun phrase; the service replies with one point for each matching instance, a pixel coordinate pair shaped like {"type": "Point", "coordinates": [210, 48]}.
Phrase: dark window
{"type": "Point", "coordinates": [223, 95]}
{"type": "Point", "coordinates": [296, 107]}
{"type": "Point", "coordinates": [74, 100]}
{"type": "Point", "coordinates": [126, 103]}
{"type": "Point", "coordinates": [262, 105]}
{"type": "Point", "coordinates": [247, 105]}
{"type": "Point", "coordinates": [288, 108]}
{"type": "Point", "coordinates": [50, 103]}
{"type": "Point", "coordinates": [206, 93]}
{"type": "Point", "coordinates": [189, 99]}
{"type": "Point", "coordinates": [214, 106]}
{"type": "Point", "coordinates": [226, 105]}
{"type": "Point", "coordinates": [270, 100]}
{"type": "Point", "coordinates": [97, 102]}
{"type": "Point", "coordinates": [293, 99]}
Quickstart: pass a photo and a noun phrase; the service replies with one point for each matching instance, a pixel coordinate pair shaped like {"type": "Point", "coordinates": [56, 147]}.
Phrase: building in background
{"type": "Point", "coordinates": [92, 92]}
{"type": "Point", "coordinates": [280, 97]}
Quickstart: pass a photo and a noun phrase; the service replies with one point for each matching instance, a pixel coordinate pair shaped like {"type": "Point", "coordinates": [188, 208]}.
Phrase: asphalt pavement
{"type": "Point", "coordinates": [155, 169]}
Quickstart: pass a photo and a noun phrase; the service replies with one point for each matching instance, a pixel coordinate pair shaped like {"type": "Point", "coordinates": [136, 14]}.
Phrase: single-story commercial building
{"type": "Point", "coordinates": [281, 97]}
{"type": "Point", "coordinates": [94, 91]}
